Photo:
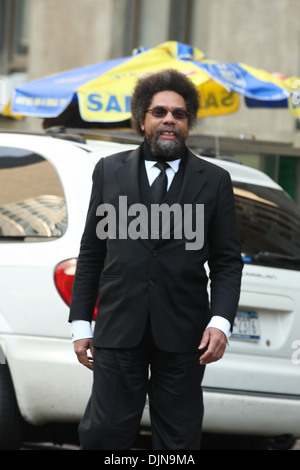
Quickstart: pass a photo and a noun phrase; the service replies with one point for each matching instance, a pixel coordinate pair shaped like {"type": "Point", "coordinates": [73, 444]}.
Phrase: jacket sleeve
{"type": "Point", "coordinates": [91, 257]}
{"type": "Point", "coordinates": [225, 261]}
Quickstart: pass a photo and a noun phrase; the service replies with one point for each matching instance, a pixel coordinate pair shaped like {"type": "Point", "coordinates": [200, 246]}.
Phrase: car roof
{"type": "Point", "coordinates": [244, 174]}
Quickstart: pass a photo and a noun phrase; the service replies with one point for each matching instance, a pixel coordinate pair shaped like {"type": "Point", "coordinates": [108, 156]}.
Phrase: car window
{"type": "Point", "coordinates": [32, 202]}
{"type": "Point", "coordinates": [269, 226]}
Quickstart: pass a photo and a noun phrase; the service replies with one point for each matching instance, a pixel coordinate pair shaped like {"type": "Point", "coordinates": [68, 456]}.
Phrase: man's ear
{"type": "Point", "coordinates": [142, 124]}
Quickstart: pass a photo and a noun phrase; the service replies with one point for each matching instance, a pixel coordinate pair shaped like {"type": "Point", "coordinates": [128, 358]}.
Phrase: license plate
{"type": "Point", "coordinates": [246, 326]}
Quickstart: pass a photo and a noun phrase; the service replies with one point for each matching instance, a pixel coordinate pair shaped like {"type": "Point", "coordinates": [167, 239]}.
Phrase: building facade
{"type": "Point", "coordinates": [43, 37]}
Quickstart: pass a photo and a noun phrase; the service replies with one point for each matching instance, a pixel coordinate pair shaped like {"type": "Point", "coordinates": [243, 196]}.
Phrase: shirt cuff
{"type": "Point", "coordinates": [221, 324]}
{"type": "Point", "coordinates": [81, 329]}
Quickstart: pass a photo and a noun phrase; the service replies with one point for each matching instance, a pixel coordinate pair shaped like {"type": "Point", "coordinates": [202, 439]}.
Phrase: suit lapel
{"type": "Point", "coordinates": [193, 180]}
{"type": "Point", "coordinates": [128, 177]}
{"type": "Point", "coordinates": [129, 180]}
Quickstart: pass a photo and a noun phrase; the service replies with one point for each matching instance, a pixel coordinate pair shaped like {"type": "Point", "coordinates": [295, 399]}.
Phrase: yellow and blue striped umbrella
{"type": "Point", "coordinates": [103, 91]}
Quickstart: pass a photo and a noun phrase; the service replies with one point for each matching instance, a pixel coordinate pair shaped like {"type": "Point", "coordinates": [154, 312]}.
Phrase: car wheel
{"type": "Point", "coordinates": [11, 422]}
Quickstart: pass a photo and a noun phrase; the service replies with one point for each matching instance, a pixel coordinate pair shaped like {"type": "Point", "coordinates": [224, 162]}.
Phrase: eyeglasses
{"type": "Point", "coordinates": [160, 112]}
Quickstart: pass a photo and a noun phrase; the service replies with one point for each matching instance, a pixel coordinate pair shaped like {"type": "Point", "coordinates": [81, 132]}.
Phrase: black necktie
{"type": "Point", "coordinates": [159, 185]}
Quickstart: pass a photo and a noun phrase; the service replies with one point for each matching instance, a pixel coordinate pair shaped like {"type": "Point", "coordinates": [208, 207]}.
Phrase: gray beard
{"type": "Point", "coordinates": [168, 149]}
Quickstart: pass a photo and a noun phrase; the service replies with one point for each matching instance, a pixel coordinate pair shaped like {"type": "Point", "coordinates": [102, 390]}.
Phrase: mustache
{"type": "Point", "coordinates": [166, 128]}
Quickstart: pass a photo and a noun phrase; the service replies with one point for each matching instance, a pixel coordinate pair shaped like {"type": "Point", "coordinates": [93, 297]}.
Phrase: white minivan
{"type": "Point", "coordinates": [45, 185]}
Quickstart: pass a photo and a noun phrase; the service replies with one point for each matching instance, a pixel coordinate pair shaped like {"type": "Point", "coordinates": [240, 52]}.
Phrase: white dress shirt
{"type": "Point", "coordinates": [81, 329]}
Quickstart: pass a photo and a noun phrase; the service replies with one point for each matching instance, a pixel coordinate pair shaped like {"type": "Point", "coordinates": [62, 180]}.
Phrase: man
{"type": "Point", "coordinates": [153, 306]}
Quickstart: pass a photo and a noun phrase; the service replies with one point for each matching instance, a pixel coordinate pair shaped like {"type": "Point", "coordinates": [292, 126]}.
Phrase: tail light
{"type": "Point", "coordinates": [63, 277]}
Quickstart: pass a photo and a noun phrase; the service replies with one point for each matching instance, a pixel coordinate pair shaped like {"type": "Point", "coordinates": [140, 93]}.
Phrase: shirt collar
{"type": "Point", "coordinates": [174, 164]}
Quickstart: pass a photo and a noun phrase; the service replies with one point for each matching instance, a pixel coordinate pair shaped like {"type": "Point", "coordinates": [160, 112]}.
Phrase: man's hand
{"type": "Point", "coordinates": [215, 342]}
{"type": "Point", "coordinates": [81, 348]}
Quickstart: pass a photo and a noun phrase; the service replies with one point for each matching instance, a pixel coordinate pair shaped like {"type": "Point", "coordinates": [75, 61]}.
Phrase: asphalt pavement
{"type": "Point", "coordinates": [143, 443]}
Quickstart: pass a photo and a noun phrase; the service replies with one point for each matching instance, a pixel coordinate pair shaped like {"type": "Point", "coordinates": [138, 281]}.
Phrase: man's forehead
{"type": "Point", "coordinates": [168, 98]}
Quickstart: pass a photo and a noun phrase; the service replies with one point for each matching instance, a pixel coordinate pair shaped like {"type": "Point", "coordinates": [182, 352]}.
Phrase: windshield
{"type": "Point", "coordinates": [269, 226]}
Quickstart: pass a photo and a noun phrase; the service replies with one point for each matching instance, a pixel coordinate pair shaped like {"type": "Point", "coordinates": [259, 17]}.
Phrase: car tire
{"type": "Point", "coordinates": [11, 421]}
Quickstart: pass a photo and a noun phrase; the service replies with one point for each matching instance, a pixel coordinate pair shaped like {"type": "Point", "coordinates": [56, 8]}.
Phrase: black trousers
{"type": "Point", "coordinates": [123, 378]}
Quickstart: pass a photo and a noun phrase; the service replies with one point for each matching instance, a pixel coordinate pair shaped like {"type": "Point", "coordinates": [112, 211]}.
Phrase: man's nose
{"type": "Point", "coordinates": [169, 117]}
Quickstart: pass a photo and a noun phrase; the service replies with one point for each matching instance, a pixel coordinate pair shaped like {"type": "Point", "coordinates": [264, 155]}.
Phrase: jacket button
{"type": "Point", "coordinates": [151, 283]}
{"type": "Point", "coordinates": [154, 253]}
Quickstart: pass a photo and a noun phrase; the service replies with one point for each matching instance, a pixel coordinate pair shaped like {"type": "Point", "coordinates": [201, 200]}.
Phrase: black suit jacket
{"type": "Point", "coordinates": [137, 279]}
